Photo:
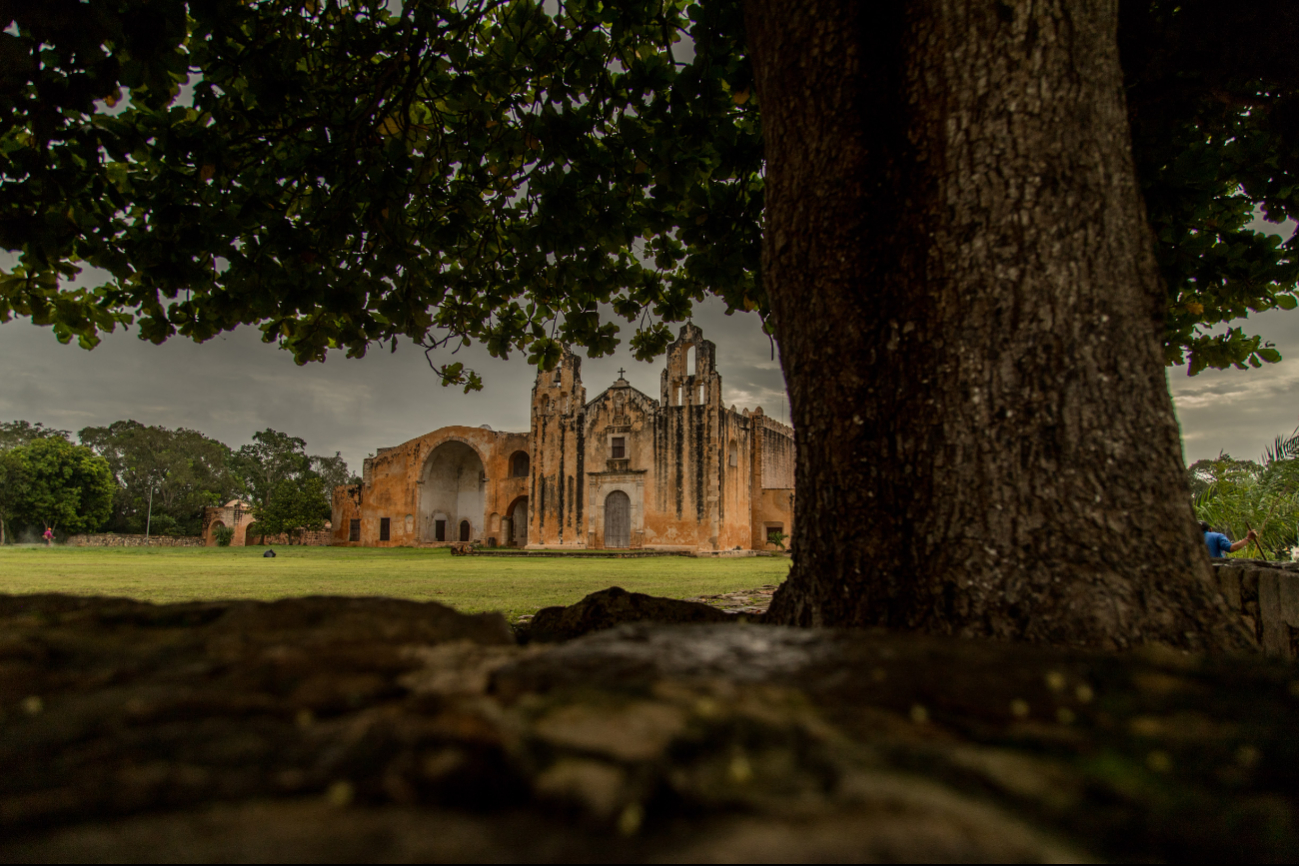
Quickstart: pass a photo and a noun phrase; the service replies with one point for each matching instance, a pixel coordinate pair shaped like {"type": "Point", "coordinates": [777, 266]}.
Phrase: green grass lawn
{"type": "Point", "coordinates": [512, 585]}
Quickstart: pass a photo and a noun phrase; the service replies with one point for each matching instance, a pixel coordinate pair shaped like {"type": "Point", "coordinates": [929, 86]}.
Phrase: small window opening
{"type": "Point", "coordinates": [519, 465]}
{"type": "Point", "coordinates": [700, 400]}
{"type": "Point", "coordinates": [440, 530]}
{"type": "Point", "coordinates": [775, 533]}
{"type": "Point", "coordinates": [385, 529]}
{"type": "Point", "coordinates": [692, 361]}
{"type": "Point", "coordinates": [676, 395]}
{"type": "Point", "coordinates": [733, 455]}
{"type": "Point", "coordinates": [618, 448]}
{"type": "Point", "coordinates": [354, 530]}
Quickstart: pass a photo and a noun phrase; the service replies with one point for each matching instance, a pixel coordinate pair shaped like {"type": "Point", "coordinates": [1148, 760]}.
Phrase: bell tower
{"type": "Point", "coordinates": [558, 429]}
{"type": "Point", "coordinates": [690, 379]}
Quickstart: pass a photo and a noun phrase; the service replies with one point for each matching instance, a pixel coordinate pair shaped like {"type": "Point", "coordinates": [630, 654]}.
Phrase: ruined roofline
{"type": "Point", "coordinates": [761, 417]}
{"type": "Point", "coordinates": [388, 450]}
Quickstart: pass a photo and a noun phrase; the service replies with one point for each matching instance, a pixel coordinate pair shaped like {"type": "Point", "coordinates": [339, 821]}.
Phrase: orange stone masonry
{"type": "Point", "coordinates": [623, 471]}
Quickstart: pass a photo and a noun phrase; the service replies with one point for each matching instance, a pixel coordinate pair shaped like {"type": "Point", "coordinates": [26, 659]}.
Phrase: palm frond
{"type": "Point", "coordinates": [1284, 448]}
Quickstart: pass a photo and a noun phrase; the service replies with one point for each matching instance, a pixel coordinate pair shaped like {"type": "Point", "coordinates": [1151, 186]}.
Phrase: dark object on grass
{"type": "Point", "coordinates": [270, 554]}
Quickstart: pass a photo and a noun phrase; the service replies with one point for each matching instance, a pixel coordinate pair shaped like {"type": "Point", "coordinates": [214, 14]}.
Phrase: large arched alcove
{"type": "Point", "coordinates": [453, 490]}
{"type": "Point", "coordinates": [212, 532]}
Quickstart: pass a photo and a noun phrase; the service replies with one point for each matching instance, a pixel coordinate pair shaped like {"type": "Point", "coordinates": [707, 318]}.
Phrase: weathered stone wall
{"type": "Point", "coordinates": [557, 502]}
{"type": "Point", "coordinates": [323, 538]}
{"type": "Point", "coordinates": [411, 485]}
{"type": "Point", "coordinates": [678, 473]}
{"type": "Point", "coordinates": [1266, 596]}
{"type": "Point", "coordinates": [772, 486]}
{"type": "Point", "coordinates": [112, 539]}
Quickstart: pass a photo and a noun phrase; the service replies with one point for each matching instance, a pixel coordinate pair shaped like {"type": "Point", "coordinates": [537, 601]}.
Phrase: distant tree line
{"type": "Point", "coordinates": [132, 478]}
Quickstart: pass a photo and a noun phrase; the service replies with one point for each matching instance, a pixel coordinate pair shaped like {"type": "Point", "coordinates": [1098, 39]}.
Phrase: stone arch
{"type": "Point", "coordinates": [519, 463]}
{"type": "Point", "coordinates": [251, 532]}
{"type": "Point", "coordinates": [453, 488]}
{"type": "Point", "coordinates": [517, 520]}
{"type": "Point", "coordinates": [212, 531]}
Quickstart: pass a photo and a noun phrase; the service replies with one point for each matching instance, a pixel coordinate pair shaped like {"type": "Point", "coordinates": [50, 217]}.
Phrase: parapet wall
{"type": "Point", "coordinates": [112, 539]}
{"type": "Point", "coordinates": [1266, 596]}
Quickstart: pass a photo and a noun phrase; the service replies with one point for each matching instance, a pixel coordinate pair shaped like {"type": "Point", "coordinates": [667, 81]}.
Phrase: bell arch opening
{"type": "Point", "coordinates": [453, 492]}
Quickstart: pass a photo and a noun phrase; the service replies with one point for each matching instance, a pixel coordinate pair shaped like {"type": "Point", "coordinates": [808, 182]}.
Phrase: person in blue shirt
{"type": "Point", "coordinates": [1220, 545]}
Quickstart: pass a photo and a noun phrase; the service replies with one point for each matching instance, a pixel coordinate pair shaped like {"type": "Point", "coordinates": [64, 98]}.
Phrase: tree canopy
{"type": "Point", "coordinates": [63, 486]}
{"type": "Point", "coordinates": [164, 477]}
{"type": "Point", "coordinates": [343, 175]}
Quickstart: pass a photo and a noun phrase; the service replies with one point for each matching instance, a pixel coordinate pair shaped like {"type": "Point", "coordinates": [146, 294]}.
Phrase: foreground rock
{"type": "Point", "coordinates": [611, 607]}
{"type": "Point", "coordinates": [376, 730]}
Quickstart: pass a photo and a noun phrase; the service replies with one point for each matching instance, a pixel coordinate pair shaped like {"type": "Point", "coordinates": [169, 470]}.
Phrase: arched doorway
{"type": "Point", "coordinates": [452, 494]}
{"type": "Point", "coordinates": [519, 522]}
{"type": "Point", "coordinates": [251, 533]}
{"type": "Point", "coordinates": [465, 530]}
{"type": "Point", "coordinates": [212, 532]}
{"type": "Point", "coordinates": [617, 520]}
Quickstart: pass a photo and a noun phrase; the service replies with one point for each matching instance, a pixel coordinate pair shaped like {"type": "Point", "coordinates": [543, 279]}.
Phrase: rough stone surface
{"type": "Point", "coordinates": [112, 539]}
{"type": "Point", "coordinates": [753, 602]}
{"type": "Point", "coordinates": [1266, 597]}
{"type": "Point", "coordinates": [608, 608]}
{"type": "Point", "coordinates": [375, 730]}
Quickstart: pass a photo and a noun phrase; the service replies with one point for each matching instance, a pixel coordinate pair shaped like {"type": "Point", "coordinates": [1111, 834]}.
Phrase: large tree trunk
{"type": "Point", "coordinates": [967, 307]}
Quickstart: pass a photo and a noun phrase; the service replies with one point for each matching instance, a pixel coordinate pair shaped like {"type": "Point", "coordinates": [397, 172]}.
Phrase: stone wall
{"type": "Point", "coordinates": [323, 538]}
{"type": "Point", "coordinates": [112, 539]}
{"type": "Point", "coordinates": [1266, 596]}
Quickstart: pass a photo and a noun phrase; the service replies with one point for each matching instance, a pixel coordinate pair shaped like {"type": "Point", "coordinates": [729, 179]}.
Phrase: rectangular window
{"type": "Point", "coordinates": [385, 529]}
{"type": "Point", "coordinates": [619, 447]}
{"type": "Point", "coordinates": [440, 530]}
{"type": "Point", "coordinates": [354, 530]}
{"type": "Point", "coordinates": [775, 533]}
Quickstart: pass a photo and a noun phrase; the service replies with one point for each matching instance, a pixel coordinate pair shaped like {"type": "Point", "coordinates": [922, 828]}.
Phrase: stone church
{"type": "Point", "coordinates": [621, 471]}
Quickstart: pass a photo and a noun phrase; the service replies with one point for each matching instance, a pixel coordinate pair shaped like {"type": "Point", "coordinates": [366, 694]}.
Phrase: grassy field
{"type": "Point", "coordinates": [512, 585]}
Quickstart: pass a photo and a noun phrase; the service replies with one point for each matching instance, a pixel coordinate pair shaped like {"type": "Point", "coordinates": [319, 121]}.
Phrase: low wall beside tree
{"type": "Point", "coordinates": [1266, 597]}
{"type": "Point", "coordinates": [112, 539]}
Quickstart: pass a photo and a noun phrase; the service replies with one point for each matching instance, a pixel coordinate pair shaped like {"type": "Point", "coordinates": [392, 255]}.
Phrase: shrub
{"type": "Point", "coordinates": [224, 535]}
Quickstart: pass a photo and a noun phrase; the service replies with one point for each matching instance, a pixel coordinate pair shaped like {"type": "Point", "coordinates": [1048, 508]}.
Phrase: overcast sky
{"type": "Point", "coordinates": [232, 386]}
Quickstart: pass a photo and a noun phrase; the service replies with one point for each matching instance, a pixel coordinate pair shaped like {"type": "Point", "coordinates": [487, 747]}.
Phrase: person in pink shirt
{"type": "Point", "coordinates": [48, 536]}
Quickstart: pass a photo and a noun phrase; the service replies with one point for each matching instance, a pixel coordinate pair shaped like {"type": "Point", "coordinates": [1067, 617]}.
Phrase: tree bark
{"type": "Point", "coordinates": [968, 311]}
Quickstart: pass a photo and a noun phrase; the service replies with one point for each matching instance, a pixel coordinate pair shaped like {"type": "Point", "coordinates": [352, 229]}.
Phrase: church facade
{"type": "Point", "coordinates": [621, 471]}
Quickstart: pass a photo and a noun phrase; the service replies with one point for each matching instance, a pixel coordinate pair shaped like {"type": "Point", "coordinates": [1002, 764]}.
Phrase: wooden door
{"type": "Point", "coordinates": [617, 520]}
